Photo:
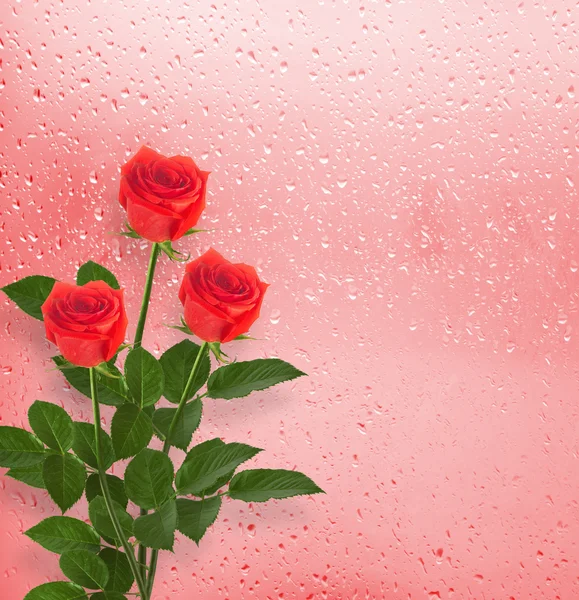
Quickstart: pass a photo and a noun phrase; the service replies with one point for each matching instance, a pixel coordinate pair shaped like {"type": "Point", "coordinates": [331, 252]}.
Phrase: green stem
{"type": "Point", "coordinates": [106, 492]}
{"type": "Point", "coordinates": [155, 250]}
{"type": "Point", "coordinates": [183, 400]}
{"type": "Point", "coordinates": [167, 447]}
{"type": "Point", "coordinates": [147, 294]}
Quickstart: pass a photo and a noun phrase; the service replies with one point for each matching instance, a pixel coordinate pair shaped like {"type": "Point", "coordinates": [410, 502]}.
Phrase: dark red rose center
{"type": "Point", "coordinates": [89, 308]}
{"type": "Point", "coordinates": [227, 281]}
{"type": "Point", "coordinates": [85, 305]}
{"type": "Point", "coordinates": [166, 176]}
{"type": "Point", "coordinates": [224, 285]}
{"type": "Point", "coordinates": [173, 187]}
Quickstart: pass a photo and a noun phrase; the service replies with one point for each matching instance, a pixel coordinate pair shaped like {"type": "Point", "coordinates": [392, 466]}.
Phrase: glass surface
{"type": "Point", "coordinates": [404, 176]}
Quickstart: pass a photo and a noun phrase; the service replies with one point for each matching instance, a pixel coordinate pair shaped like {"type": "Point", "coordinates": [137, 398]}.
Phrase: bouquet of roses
{"type": "Point", "coordinates": [163, 198]}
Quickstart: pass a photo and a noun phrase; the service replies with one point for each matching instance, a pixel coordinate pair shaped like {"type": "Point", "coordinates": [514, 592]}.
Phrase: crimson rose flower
{"type": "Point", "coordinates": [221, 300]}
{"type": "Point", "coordinates": [163, 197]}
{"type": "Point", "coordinates": [87, 323]}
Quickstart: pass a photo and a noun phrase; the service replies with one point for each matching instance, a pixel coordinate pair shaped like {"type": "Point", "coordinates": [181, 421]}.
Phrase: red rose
{"type": "Point", "coordinates": [163, 197]}
{"type": "Point", "coordinates": [87, 323]}
{"type": "Point", "coordinates": [221, 300]}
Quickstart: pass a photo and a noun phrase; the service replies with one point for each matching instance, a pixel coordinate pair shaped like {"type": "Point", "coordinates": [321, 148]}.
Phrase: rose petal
{"type": "Point", "coordinates": [249, 317]}
{"type": "Point", "coordinates": [188, 291]}
{"type": "Point", "coordinates": [144, 156]}
{"type": "Point", "coordinates": [87, 323]}
{"type": "Point", "coordinates": [221, 300]}
{"type": "Point", "coordinates": [152, 222]}
{"type": "Point", "coordinates": [203, 323]}
{"type": "Point", "coordinates": [155, 182]}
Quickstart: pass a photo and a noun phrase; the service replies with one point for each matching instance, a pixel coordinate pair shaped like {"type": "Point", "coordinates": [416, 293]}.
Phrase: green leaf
{"type": "Point", "coordinates": [64, 477]}
{"type": "Point", "coordinates": [116, 488]}
{"type": "Point", "coordinates": [186, 424]}
{"type": "Point", "coordinates": [219, 483]}
{"type": "Point", "coordinates": [51, 424]}
{"type": "Point", "coordinates": [208, 462]}
{"type": "Point", "coordinates": [92, 271]}
{"type": "Point", "coordinates": [149, 478]}
{"type": "Point", "coordinates": [195, 516]}
{"type": "Point", "coordinates": [240, 379]}
{"type": "Point", "coordinates": [259, 485]}
{"type": "Point", "coordinates": [85, 568]}
{"type": "Point", "coordinates": [221, 480]}
{"type": "Point", "coordinates": [60, 534]}
{"type": "Point", "coordinates": [84, 445]}
{"type": "Point", "coordinates": [19, 448]}
{"type": "Point", "coordinates": [131, 430]}
{"type": "Point", "coordinates": [120, 575]}
{"type": "Point", "coordinates": [102, 522]}
{"type": "Point", "coordinates": [111, 391]}
{"type": "Point", "coordinates": [108, 596]}
{"type": "Point", "coordinates": [30, 293]}
{"type": "Point", "coordinates": [177, 363]}
{"type": "Point", "coordinates": [30, 475]}
{"type": "Point", "coordinates": [57, 590]}
{"type": "Point", "coordinates": [157, 529]}
{"type": "Point", "coordinates": [145, 377]}
{"type": "Point", "coordinates": [202, 448]}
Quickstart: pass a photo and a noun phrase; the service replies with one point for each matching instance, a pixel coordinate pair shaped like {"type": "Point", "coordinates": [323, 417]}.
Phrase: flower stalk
{"type": "Point", "coordinates": [167, 446]}
{"type": "Point", "coordinates": [147, 294]}
{"type": "Point", "coordinates": [155, 251]}
{"type": "Point", "coordinates": [106, 492]}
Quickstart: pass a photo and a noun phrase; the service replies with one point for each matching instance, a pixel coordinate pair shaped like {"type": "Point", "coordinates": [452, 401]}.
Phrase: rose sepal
{"type": "Point", "coordinates": [173, 254]}
{"type": "Point", "coordinates": [194, 231]}
{"type": "Point", "coordinates": [183, 327]}
{"type": "Point", "coordinates": [104, 369]}
{"type": "Point", "coordinates": [215, 348]}
{"type": "Point", "coordinates": [130, 233]}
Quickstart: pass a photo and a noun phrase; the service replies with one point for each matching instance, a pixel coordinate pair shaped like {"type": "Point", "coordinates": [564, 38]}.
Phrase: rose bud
{"type": "Point", "coordinates": [163, 197]}
{"type": "Point", "coordinates": [87, 323]}
{"type": "Point", "coordinates": [221, 300]}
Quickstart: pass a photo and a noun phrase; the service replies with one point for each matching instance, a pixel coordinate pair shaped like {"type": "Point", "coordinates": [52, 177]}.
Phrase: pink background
{"type": "Point", "coordinates": [404, 175]}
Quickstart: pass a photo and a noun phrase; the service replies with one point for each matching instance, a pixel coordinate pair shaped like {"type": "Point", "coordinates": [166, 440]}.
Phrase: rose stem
{"type": "Point", "coordinates": [142, 555]}
{"type": "Point", "coordinates": [167, 446]}
{"type": "Point", "coordinates": [147, 294]}
{"type": "Point", "coordinates": [106, 492]}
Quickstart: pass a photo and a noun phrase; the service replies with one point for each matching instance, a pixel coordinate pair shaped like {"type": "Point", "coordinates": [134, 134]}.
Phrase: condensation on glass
{"type": "Point", "coordinates": [404, 175]}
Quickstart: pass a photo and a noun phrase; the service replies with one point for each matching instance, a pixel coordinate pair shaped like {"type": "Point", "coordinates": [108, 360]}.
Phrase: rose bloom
{"type": "Point", "coordinates": [87, 323]}
{"type": "Point", "coordinates": [221, 300]}
{"type": "Point", "coordinates": [164, 197]}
